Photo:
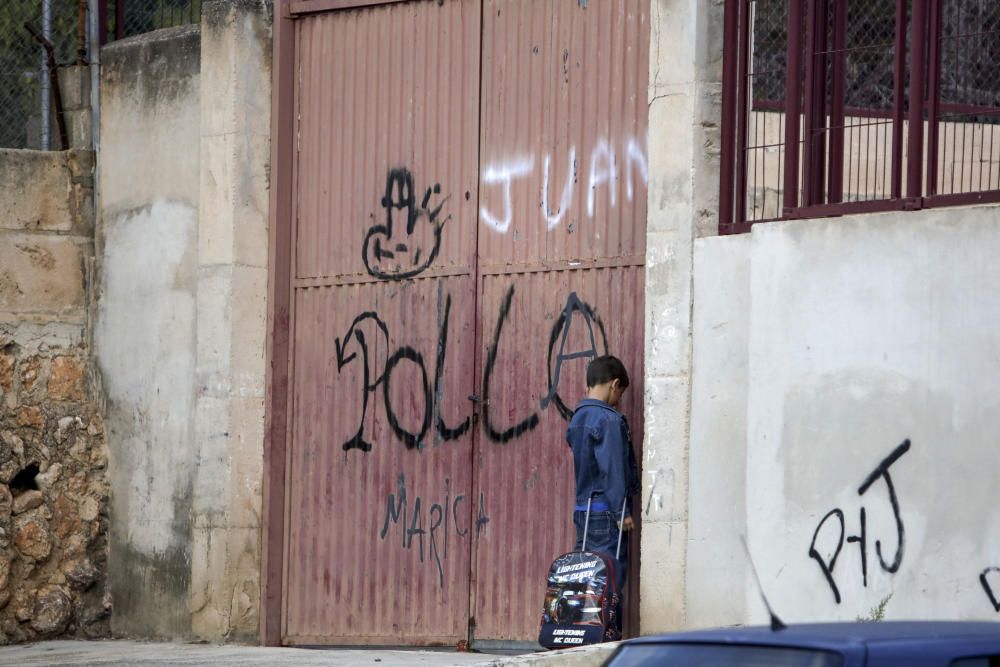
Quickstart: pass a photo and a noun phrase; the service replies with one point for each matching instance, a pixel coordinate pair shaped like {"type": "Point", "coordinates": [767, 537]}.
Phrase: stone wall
{"type": "Point", "coordinates": [53, 454]}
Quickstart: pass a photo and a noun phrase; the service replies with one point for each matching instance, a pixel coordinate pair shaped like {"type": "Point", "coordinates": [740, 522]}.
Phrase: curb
{"type": "Point", "coordinates": [584, 656]}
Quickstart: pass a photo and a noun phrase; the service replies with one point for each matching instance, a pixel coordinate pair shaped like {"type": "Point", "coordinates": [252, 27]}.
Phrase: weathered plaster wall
{"type": "Point", "coordinates": [684, 110]}
{"type": "Point", "coordinates": [53, 457]}
{"type": "Point", "coordinates": [146, 332]}
{"type": "Point", "coordinates": [852, 336]}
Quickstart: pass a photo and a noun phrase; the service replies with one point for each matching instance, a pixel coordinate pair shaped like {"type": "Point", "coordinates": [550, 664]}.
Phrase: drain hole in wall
{"type": "Point", "coordinates": [24, 480]}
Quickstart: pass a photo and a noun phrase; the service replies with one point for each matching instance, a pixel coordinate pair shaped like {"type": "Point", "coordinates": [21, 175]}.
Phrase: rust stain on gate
{"type": "Point", "coordinates": [469, 206]}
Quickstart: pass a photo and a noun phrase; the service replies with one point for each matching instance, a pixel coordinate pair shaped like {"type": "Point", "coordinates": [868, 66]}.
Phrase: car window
{"type": "Point", "coordinates": [717, 655]}
{"type": "Point", "coordinates": [981, 661]}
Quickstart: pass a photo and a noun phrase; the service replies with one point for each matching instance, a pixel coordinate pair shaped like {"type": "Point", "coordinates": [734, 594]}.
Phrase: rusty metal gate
{"type": "Point", "coordinates": [465, 228]}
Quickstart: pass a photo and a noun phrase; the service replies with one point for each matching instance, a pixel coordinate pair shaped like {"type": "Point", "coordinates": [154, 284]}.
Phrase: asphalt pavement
{"type": "Point", "coordinates": [148, 654]}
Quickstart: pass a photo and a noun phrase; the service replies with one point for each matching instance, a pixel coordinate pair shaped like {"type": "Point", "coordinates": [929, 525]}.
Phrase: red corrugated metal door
{"type": "Point", "coordinates": [561, 250]}
{"type": "Point", "coordinates": [378, 490]}
{"type": "Point", "coordinates": [469, 203]}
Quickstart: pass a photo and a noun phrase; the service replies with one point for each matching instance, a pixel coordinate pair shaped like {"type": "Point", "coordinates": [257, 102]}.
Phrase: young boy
{"type": "Point", "coordinates": [606, 473]}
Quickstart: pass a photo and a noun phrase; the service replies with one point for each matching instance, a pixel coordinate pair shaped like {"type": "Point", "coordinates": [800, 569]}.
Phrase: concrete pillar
{"type": "Point", "coordinates": [231, 307]}
{"type": "Point", "coordinates": [684, 114]}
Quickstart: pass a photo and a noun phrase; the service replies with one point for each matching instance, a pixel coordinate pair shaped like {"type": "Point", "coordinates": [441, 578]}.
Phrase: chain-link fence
{"type": "Point", "coordinates": [39, 37]}
{"type": "Point", "coordinates": [25, 83]}
{"type": "Point", "coordinates": [971, 68]}
{"type": "Point", "coordinates": [134, 17]}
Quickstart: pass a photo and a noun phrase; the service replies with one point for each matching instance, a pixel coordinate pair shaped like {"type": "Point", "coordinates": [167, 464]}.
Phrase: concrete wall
{"type": "Point", "coordinates": [146, 331]}
{"type": "Point", "coordinates": [53, 457]}
{"type": "Point", "coordinates": [717, 566]}
{"type": "Point", "coordinates": [861, 334]}
{"type": "Point", "coordinates": [184, 168]}
{"type": "Point", "coordinates": [232, 316]}
{"type": "Point", "coordinates": [684, 107]}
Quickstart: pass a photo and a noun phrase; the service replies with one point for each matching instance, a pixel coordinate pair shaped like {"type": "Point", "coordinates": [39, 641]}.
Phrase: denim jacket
{"type": "Point", "coordinates": [603, 460]}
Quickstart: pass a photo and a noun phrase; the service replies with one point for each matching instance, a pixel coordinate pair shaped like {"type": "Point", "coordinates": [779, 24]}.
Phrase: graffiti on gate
{"type": "Point", "coordinates": [392, 250]}
{"type": "Point", "coordinates": [603, 173]}
{"type": "Point", "coordinates": [828, 564]}
{"type": "Point", "coordinates": [383, 378]}
{"type": "Point", "coordinates": [575, 313]}
{"type": "Point", "coordinates": [432, 524]}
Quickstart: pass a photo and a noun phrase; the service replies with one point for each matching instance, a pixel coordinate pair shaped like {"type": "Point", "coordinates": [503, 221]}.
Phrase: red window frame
{"type": "Point", "coordinates": [814, 109]}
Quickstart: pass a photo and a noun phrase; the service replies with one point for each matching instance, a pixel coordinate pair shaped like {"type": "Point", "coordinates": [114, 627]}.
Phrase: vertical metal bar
{"type": "Point", "coordinates": [742, 116]}
{"type": "Point", "coordinates": [815, 135]}
{"type": "Point", "coordinates": [119, 19]}
{"type": "Point", "coordinates": [854, 172]}
{"type": "Point", "coordinates": [964, 99]}
{"type": "Point", "coordinates": [782, 155]}
{"type": "Point", "coordinates": [278, 331]}
{"type": "Point", "coordinates": [45, 87]}
{"type": "Point", "coordinates": [980, 101]}
{"type": "Point", "coordinates": [793, 98]}
{"type": "Point", "coordinates": [933, 96]}
{"type": "Point", "coordinates": [835, 187]}
{"type": "Point", "coordinates": [989, 172]}
{"type": "Point", "coordinates": [918, 63]}
{"type": "Point", "coordinates": [730, 58]}
{"type": "Point", "coordinates": [897, 101]}
{"type": "Point", "coordinates": [102, 23]}
{"type": "Point", "coordinates": [81, 36]}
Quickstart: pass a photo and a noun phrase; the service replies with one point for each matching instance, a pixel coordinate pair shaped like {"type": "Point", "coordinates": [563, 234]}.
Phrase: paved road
{"type": "Point", "coordinates": [120, 653]}
{"type": "Point", "coordinates": [106, 653]}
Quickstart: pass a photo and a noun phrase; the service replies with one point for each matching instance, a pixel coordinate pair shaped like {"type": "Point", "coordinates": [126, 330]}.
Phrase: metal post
{"type": "Point", "coordinates": [793, 107]}
{"type": "Point", "coordinates": [728, 158]}
{"type": "Point", "coordinates": [897, 101]}
{"type": "Point", "coordinates": [742, 117]}
{"type": "Point", "coordinates": [119, 19]}
{"type": "Point", "coordinates": [95, 35]}
{"type": "Point", "coordinates": [45, 97]}
{"type": "Point", "coordinates": [815, 98]}
{"type": "Point", "coordinates": [835, 187]}
{"type": "Point", "coordinates": [933, 97]}
{"type": "Point", "coordinates": [918, 51]}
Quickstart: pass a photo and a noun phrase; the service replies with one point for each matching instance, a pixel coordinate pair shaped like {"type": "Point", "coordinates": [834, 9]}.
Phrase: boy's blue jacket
{"type": "Point", "coordinates": [602, 456]}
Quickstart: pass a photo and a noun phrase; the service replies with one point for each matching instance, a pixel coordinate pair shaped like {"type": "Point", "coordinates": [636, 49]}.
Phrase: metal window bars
{"type": "Point", "coordinates": [855, 88]}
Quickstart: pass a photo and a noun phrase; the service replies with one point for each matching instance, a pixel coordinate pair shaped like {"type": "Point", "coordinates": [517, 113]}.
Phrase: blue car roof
{"type": "Point", "coordinates": [834, 635]}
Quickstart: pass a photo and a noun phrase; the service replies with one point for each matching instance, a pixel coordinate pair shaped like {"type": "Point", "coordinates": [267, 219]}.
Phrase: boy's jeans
{"type": "Point", "coordinates": [602, 535]}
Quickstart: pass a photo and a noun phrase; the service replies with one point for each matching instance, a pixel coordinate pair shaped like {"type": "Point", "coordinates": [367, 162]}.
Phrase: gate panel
{"type": "Point", "coordinates": [542, 330]}
{"type": "Point", "coordinates": [564, 131]}
{"type": "Point", "coordinates": [387, 87]}
{"type": "Point", "coordinates": [561, 252]}
{"type": "Point", "coordinates": [378, 487]}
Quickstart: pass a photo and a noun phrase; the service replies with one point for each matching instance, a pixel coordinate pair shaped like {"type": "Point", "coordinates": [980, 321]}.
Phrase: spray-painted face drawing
{"type": "Point", "coordinates": [401, 248]}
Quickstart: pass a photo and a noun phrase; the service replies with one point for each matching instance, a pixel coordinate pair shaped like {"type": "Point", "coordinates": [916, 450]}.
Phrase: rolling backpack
{"type": "Point", "coordinates": [582, 599]}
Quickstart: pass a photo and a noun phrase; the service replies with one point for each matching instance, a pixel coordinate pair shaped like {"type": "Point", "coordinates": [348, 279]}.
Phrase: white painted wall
{"type": "Point", "coordinates": [863, 332]}
{"type": "Point", "coordinates": [717, 463]}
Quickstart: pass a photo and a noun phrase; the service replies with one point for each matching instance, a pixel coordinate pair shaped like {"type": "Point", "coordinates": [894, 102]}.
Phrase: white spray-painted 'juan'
{"type": "Point", "coordinates": [604, 171]}
{"type": "Point", "coordinates": [601, 174]}
{"type": "Point", "coordinates": [505, 173]}
{"type": "Point", "coordinates": [554, 219]}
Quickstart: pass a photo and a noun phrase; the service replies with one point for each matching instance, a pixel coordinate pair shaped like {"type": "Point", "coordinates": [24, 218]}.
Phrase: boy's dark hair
{"type": "Point", "coordinates": [605, 369]}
